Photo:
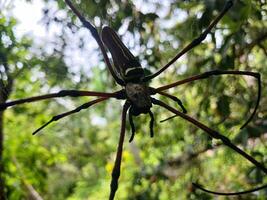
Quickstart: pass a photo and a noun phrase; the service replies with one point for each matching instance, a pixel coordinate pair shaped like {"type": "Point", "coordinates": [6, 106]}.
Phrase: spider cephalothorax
{"type": "Point", "coordinates": [128, 73]}
{"type": "Point", "coordinates": [139, 96]}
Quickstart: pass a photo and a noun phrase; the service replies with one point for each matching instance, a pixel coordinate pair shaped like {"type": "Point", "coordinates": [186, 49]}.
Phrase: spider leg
{"type": "Point", "coordinates": [212, 133]}
{"type": "Point", "coordinates": [229, 193]}
{"type": "Point", "coordinates": [217, 73]}
{"type": "Point", "coordinates": [131, 124]}
{"type": "Point", "coordinates": [195, 42]}
{"type": "Point", "coordinates": [168, 118]}
{"type": "Point", "coordinates": [117, 165]}
{"type": "Point", "coordinates": [95, 34]}
{"type": "Point", "coordinates": [78, 109]}
{"type": "Point", "coordinates": [63, 93]}
{"type": "Point", "coordinates": [174, 98]}
{"type": "Point", "coordinates": [151, 124]}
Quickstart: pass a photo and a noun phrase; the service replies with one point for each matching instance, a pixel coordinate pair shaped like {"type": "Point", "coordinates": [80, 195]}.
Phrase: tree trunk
{"type": "Point", "coordinates": [5, 90]}
{"type": "Point", "coordinates": [2, 184]}
{"type": "Point", "coordinates": [4, 93]}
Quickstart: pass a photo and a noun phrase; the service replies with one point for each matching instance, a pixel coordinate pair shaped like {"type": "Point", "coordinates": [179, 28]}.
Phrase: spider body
{"type": "Point", "coordinates": [127, 72]}
{"type": "Point", "coordinates": [130, 70]}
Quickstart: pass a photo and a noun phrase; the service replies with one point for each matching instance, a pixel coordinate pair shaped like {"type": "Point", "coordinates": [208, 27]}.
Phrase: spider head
{"type": "Point", "coordinates": [138, 94]}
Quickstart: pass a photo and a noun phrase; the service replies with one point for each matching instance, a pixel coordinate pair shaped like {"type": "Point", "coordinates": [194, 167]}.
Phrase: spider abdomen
{"type": "Point", "coordinates": [125, 63]}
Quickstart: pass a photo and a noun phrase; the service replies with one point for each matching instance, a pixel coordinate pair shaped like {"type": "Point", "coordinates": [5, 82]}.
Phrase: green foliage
{"type": "Point", "coordinates": [73, 158]}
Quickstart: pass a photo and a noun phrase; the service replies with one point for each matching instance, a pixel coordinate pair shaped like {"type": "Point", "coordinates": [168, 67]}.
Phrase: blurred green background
{"type": "Point", "coordinates": [73, 158]}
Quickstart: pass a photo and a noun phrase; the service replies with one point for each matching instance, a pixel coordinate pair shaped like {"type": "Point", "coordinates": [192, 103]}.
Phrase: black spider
{"type": "Point", "coordinates": [128, 73]}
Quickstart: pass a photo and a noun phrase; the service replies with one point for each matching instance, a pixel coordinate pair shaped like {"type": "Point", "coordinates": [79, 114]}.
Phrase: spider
{"type": "Point", "coordinates": [128, 72]}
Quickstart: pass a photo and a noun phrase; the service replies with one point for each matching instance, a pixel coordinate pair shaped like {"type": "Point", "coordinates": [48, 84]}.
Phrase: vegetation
{"type": "Point", "coordinates": [73, 158]}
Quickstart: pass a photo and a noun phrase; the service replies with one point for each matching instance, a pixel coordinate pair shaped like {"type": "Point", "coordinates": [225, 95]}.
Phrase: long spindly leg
{"type": "Point", "coordinates": [95, 34]}
{"type": "Point", "coordinates": [151, 124]}
{"type": "Point", "coordinates": [230, 193]}
{"type": "Point", "coordinates": [78, 109]}
{"type": "Point", "coordinates": [217, 73]}
{"type": "Point", "coordinates": [117, 165]}
{"type": "Point", "coordinates": [63, 93]}
{"type": "Point", "coordinates": [174, 98]}
{"type": "Point", "coordinates": [131, 124]}
{"type": "Point", "coordinates": [195, 42]}
{"type": "Point", "coordinates": [212, 133]}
